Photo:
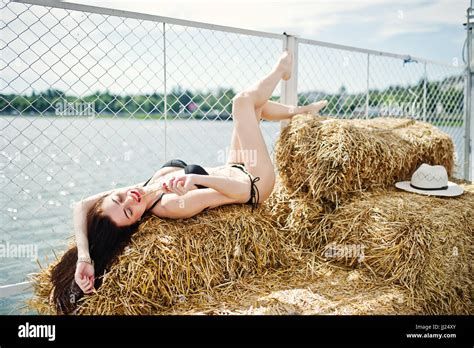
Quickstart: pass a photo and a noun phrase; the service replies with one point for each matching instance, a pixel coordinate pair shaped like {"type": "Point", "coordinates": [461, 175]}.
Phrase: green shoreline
{"type": "Point", "coordinates": [144, 116]}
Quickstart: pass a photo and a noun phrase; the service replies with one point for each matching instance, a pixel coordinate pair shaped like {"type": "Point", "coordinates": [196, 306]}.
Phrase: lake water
{"type": "Point", "coordinates": [49, 163]}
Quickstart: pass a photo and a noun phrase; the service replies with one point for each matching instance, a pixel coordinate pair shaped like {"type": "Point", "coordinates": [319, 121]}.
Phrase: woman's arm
{"type": "Point", "coordinates": [80, 211]}
{"type": "Point", "coordinates": [174, 206]}
{"type": "Point", "coordinates": [235, 189]}
{"type": "Point", "coordinates": [80, 229]}
{"type": "Point", "coordinates": [84, 274]}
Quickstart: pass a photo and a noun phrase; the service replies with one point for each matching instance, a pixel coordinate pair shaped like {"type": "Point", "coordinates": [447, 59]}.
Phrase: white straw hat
{"type": "Point", "coordinates": [432, 181]}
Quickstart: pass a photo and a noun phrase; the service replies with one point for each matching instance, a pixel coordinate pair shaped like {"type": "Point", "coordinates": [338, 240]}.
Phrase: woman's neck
{"type": "Point", "coordinates": [151, 193]}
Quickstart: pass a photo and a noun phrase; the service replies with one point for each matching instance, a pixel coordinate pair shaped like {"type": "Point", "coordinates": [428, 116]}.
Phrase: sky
{"type": "Point", "coordinates": [80, 52]}
{"type": "Point", "coordinates": [425, 28]}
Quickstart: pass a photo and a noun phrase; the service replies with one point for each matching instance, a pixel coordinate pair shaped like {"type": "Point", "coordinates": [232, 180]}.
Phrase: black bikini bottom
{"type": "Point", "coordinates": [253, 188]}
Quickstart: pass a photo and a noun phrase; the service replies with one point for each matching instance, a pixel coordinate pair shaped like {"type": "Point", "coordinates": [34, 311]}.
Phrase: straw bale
{"type": "Point", "coordinates": [333, 159]}
{"type": "Point", "coordinates": [327, 290]}
{"type": "Point", "coordinates": [298, 218]}
{"type": "Point", "coordinates": [170, 259]}
{"type": "Point", "coordinates": [423, 243]}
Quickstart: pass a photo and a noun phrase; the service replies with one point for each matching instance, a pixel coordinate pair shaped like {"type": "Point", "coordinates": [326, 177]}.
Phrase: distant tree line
{"type": "Point", "coordinates": [178, 101]}
{"type": "Point", "coordinates": [441, 97]}
{"type": "Point", "coordinates": [445, 95]}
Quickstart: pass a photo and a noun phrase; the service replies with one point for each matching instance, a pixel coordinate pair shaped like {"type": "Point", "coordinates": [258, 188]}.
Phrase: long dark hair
{"type": "Point", "coordinates": [106, 242]}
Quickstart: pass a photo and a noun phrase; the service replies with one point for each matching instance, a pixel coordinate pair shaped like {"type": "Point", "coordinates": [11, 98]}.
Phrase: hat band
{"type": "Point", "coordinates": [429, 189]}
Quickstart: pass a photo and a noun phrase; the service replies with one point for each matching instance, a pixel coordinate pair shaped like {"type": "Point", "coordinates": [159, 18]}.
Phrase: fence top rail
{"type": "Point", "coordinates": [378, 53]}
{"type": "Point", "coordinates": [183, 22]}
{"type": "Point", "coordinates": [148, 17]}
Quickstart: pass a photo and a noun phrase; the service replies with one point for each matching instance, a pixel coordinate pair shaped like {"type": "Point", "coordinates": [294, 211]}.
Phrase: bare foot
{"type": "Point", "coordinates": [285, 65]}
{"type": "Point", "coordinates": [314, 108]}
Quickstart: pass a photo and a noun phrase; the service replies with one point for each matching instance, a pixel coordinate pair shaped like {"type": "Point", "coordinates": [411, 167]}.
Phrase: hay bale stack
{"type": "Point", "coordinates": [424, 243]}
{"type": "Point", "coordinates": [327, 289]}
{"type": "Point", "coordinates": [333, 159]}
{"type": "Point", "coordinates": [278, 204]}
{"type": "Point", "coordinates": [297, 217]}
{"type": "Point", "coordinates": [168, 260]}
{"type": "Point", "coordinates": [42, 287]}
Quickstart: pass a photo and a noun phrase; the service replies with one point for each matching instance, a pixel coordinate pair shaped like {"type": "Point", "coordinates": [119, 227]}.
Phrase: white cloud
{"type": "Point", "coordinates": [299, 16]}
{"type": "Point", "coordinates": [306, 18]}
{"type": "Point", "coordinates": [422, 18]}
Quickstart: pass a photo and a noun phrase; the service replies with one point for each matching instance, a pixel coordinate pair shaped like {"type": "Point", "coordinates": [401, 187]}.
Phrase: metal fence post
{"type": "Point", "coordinates": [425, 82]}
{"type": "Point", "coordinates": [289, 89]}
{"type": "Point", "coordinates": [165, 93]}
{"type": "Point", "coordinates": [367, 92]}
{"type": "Point", "coordinates": [468, 126]}
{"type": "Point", "coordinates": [468, 129]}
{"type": "Point", "coordinates": [469, 137]}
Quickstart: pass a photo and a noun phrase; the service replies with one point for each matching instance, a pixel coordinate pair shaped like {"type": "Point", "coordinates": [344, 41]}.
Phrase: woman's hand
{"type": "Point", "coordinates": [84, 277]}
{"type": "Point", "coordinates": [181, 184]}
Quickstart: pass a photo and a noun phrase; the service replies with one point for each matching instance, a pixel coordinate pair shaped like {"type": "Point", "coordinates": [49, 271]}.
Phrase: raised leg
{"type": "Point", "coordinates": [263, 89]}
{"type": "Point", "coordinates": [259, 93]}
{"type": "Point", "coordinates": [253, 150]}
{"type": "Point", "coordinates": [273, 111]}
{"type": "Point", "coordinates": [235, 154]}
{"type": "Point", "coordinates": [247, 134]}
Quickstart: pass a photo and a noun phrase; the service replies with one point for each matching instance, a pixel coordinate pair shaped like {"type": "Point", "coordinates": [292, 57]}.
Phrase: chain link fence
{"type": "Point", "coordinates": [94, 98]}
{"type": "Point", "coordinates": [362, 84]}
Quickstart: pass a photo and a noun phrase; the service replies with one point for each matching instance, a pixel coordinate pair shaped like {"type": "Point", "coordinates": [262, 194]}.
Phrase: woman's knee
{"type": "Point", "coordinates": [245, 100]}
{"type": "Point", "coordinates": [269, 186]}
{"type": "Point", "coordinates": [272, 180]}
{"type": "Point", "coordinates": [242, 97]}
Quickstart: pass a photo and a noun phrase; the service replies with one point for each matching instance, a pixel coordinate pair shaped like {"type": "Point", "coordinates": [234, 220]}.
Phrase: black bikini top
{"type": "Point", "coordinates": [188, 169]}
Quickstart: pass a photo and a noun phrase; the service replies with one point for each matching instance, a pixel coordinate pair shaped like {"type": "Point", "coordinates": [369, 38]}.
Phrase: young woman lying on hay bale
{"type": "Point", "coordinates": [105, 222]}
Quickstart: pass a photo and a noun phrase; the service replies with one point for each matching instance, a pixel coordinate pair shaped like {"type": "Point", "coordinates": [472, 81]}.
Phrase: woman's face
{"type": "Point", "coordinates": [125, 206]}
